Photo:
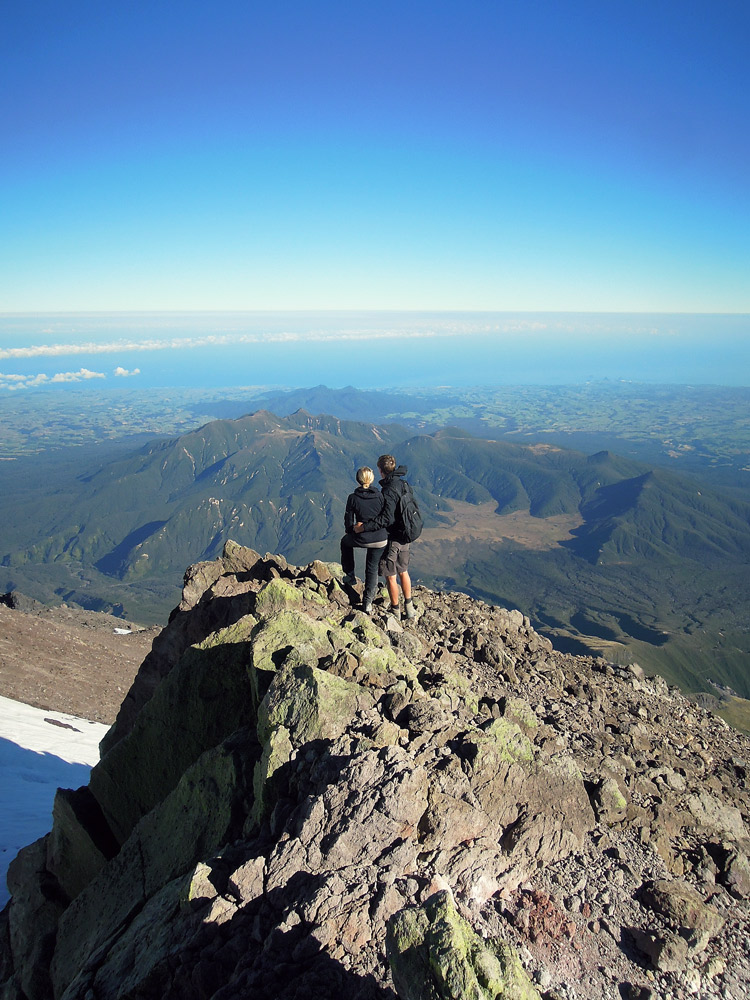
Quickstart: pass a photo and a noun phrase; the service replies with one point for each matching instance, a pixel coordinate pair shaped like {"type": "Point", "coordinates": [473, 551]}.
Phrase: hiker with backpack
{"type": "Point", "coordinates": [401, 518]}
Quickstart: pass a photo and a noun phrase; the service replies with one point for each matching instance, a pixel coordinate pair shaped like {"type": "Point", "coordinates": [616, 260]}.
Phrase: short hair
{"type": "Point", "coordinates": [365, 476]}
{"type": "Point", "coordinates": [386, 464]}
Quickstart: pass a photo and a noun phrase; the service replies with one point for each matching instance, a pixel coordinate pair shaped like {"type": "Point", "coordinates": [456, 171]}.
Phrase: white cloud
{"type": "Point", "coordinates": [29, 381]}
{"type": "Point", "coordinates": [453, 328]}
{"type": "Point", "coordinates": [373, 328]}
{"type": "Point", "coordinates": [81, 375]}
{"type": "Point", "coordinates": [121, 372]}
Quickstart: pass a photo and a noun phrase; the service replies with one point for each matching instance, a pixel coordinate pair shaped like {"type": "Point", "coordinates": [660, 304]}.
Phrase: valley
{"type": "Point", "coordinates": [606, 554]}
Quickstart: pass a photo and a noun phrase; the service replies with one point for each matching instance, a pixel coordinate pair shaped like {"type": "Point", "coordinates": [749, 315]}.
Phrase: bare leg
{"type": "Point", "coordinates": [391, 583]}
{"type": "Point", "coordinates": [405, 585]}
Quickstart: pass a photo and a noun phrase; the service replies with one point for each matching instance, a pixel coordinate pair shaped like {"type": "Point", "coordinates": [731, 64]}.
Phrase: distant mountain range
{"type": "Point", "coordinates": [604, 553]}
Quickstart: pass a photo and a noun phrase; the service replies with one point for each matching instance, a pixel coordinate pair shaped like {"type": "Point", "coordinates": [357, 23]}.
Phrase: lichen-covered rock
{"type": "Point", "coordinates": [538, 800]}
{"type": "Point", "coordinates": [288, 633]}
{"type": "Point", "coordinates": [519, 711]}
{"type": "Point", "coordinates": [609, 801]}
{"type": "Point", "coordinates": [207, 696]}
{"type": "Point", "coordinates": [310, 704]}
{"type": "Point", "coordinates": [202, 813]}
{"type": "Point", "coordinates": [216, 594]}
{"type": "Point", "coordinates": [287, 775]}
{"type": "Point", "coordinates": [281, 595]}
{"type": "Point", "coordinates": [435, 955]}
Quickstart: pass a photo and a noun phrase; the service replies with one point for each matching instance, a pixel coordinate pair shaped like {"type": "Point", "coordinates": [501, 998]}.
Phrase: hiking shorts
{"type": "Point", "coordinates": [395, 560]}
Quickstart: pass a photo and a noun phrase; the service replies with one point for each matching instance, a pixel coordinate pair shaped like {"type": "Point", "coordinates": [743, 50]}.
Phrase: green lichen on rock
{"type": "Point", "coordinates": [280, 595]}
{"type": "Point", "coordinates": [504, 740]}
{"type": "Point", "coordinates": [366, 631]}
{"type": "Point", "coordinates": [380, 664]}
{"type": "Point", "coordinates": [277, 595]}
{"type": "Point", "coordinates": [277, 637]}
{"type": "Point", "coordinates": [456, 689]}
{"type": "Point", "coordinates": [519, 711]}
{"type": "Point", "coordinates": [211, 692]}
{"type": "Point", "coordinates": [276, 752]}
{"type": "Point", "coordinates": [379, 667]}
{"type": "Point", "coordinates": [193, 822]}
{"type": "Point", "coordinates": [302, 703]}
{"type": "Point", "coordinates": [435, 955]}
{"type": "Point", "coordinates": [310, 704]}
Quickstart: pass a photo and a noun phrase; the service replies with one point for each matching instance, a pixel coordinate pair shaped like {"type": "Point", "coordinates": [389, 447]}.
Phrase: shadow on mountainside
{"type": "Point", "coordinates": [27, 792]}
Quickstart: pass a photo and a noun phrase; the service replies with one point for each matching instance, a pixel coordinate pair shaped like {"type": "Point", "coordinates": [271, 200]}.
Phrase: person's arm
{"type": "Point", "coordinates": [387, 514]}
{"type": "Point", "coordinates": [350, 516]}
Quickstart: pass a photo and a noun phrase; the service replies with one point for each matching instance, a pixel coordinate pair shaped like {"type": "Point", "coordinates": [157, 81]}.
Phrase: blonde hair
{"type": "Point", "coordinates": [365, 476]}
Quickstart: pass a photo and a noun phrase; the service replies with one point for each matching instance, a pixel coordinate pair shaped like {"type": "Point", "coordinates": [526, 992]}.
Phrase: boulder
{"type": "Point", "coordinates": [35, 909]}
{"type": "Point", "coordinates": [736, 875]}
{"type": "Point", "coordinates": [609, 801]}
{"type": "Point", "coordinates": [684, 908]}
{"type": "Point", "coordinates": [200, 815]}
{"type": "Point", "coordinates": [80, 843]}
{"type": "Point", "coordinates": [668, 952]}
{"type": "Point", "coordinates": [211, 693]}
{"type": "Point", "coordinates": [435, 955]}
{"type": "Point", "coordinates": [716, 817]}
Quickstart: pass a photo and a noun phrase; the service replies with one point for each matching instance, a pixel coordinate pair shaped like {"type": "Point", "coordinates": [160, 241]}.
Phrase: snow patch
{"type": "Point", "coordinates": [40, 751]}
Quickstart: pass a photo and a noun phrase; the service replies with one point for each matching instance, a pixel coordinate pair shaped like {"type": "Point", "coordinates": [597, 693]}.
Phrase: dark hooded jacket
{"type": "Point", "coordinates": [364, 504]}
{"type": "Point", "coordinates": [392, 486]}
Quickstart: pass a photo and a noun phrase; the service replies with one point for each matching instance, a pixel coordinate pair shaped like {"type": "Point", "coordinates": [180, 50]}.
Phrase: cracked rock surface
{"type": "Point", "coordinates": [301, 801]}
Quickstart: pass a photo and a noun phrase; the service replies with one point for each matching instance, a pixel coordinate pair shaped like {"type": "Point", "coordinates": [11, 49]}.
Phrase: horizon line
{"type": "Point", "coordinates": [342, 310]}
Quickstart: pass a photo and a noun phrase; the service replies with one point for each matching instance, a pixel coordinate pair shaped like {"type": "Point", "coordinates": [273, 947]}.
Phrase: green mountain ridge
{"type": "Point", "coordinates": [657, 514]}
{"type": "Point", "coordinates": [651, 568]}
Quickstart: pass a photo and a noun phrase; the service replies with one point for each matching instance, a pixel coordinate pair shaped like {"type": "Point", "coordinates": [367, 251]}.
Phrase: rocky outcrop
{"type": "Point", "coordinates": [298, 800]}
{"type": "Point", "coordinates": [435, 954]}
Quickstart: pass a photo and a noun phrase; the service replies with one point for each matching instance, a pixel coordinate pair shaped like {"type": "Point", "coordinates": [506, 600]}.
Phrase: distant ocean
{"type": "Point", "coordinates": [369, 349]}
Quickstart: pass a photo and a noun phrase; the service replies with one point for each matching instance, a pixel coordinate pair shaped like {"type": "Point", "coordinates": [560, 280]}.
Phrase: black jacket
{"type": "Point", "coordinates": [364, 504]}
{"type": "Point", "coordinates": [392, 486]}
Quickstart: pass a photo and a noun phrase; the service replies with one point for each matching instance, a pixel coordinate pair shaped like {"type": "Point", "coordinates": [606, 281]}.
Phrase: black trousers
{"type": "Point", "coordinates": [348, 544]}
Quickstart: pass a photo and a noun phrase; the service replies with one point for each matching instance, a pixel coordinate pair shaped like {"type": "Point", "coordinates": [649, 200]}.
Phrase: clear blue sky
{"type": "Point", "coordinates": [414, 155]}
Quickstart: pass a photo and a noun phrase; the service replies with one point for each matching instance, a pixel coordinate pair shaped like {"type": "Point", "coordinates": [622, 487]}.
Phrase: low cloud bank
{"type": "Point", "coordinates": [13, 382]}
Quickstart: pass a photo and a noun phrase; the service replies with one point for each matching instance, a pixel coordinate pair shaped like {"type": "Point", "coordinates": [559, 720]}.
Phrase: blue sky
{"type": "Point", "coordinates": [472, 156]}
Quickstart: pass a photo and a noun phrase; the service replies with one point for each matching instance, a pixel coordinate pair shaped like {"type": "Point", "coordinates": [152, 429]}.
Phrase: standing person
{"type": "Point", "coordinates": [364, 504]}
{"type": "Point", "coordinates": [394, 565]}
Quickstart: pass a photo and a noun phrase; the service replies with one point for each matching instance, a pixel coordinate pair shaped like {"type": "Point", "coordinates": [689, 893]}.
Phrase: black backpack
{"type": "Point", "coordinates": [409, 514]}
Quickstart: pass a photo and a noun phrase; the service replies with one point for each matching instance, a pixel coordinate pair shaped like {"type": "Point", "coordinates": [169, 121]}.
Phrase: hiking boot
{"type": "Point", "coordinates": [350, 579]}
{"type": "Point", "coordinates": [409, 610]}
{"type": "Point", "coordinates": [367, 607]}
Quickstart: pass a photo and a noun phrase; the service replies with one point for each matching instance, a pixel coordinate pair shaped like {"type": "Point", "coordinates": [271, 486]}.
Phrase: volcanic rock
{"type": "Point", "coordinates": [298, 800]}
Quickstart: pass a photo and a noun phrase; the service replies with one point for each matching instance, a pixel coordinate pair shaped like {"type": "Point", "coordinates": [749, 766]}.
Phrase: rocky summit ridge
{"type": "Point", "coordinates": [300, 801]}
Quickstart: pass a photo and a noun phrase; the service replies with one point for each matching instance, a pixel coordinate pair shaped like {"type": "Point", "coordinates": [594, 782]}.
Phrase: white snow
{"type": "Point", "coordinates": [40, 751]}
